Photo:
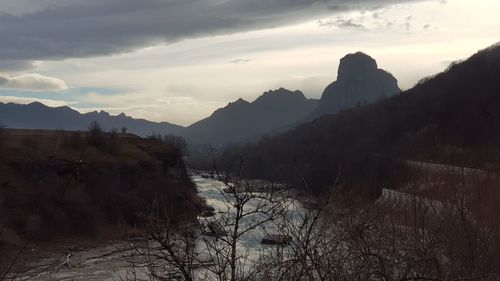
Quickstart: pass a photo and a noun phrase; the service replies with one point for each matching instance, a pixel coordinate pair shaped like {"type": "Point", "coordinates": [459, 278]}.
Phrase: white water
{"type": "Point", "coordinates": [249, 243]}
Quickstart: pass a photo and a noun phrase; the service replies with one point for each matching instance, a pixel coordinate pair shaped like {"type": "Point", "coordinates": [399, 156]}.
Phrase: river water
{"type": "Point", "coordinates": [115, 260]}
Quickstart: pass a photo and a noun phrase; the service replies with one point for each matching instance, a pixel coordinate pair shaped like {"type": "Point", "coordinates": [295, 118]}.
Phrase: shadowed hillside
{"type": "Point", "coordinates": [59, 184]}
{"type": "Point", "coordinates": [243, 121]}
{"type": "Point", "coordinates": [451, 118]}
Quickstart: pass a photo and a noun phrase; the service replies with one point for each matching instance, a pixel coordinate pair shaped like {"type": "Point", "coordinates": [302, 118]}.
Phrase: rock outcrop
{"type": "Point", "coordinates": [359, 81]}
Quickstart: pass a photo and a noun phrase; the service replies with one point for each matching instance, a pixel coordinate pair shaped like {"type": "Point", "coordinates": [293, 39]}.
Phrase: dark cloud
{"type": "Point", "coordinates": [16, 65]}
{"type": "Point", "coordinates": [101, 27]}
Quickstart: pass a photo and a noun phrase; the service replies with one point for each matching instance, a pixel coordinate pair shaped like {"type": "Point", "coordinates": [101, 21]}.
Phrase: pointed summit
{"type": "Point", "coordinates": [242, 121]}
{"type": "Point", "coordinates": [239, 101]}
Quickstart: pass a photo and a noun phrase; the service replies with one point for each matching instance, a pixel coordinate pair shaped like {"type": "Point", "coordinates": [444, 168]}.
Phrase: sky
{"type": "Point", "coordinates": [179, 60]}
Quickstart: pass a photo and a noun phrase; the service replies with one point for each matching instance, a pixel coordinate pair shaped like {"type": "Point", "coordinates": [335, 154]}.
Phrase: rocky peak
{"type": "Point", "coordinates": [280, 95]}
{"type": "Point", "coordinates": [282, 91]}
{"type": "Point", "coordinates": [239, 103]}
{"type": "Point", "coordinates": [359, 81]}
{"type": "Point", "coordinates": [356, 65]}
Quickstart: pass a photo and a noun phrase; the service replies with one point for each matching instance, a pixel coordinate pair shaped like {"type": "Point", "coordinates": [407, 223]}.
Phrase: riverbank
{"type": "Point", "coordinates": [58, 187]}
{"type": "Point", "coordinates": [115, 258]}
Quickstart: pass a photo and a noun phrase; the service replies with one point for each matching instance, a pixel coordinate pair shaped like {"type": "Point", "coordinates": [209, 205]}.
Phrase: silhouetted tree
{"type": "Point", "coordinates": [114, 141]}
{"type": "Point", "coordinates": [178, 142]}
{"type": "Point", "coordinates": [2, 128]}
{"type": "Point", "coordinates": [96, 134]}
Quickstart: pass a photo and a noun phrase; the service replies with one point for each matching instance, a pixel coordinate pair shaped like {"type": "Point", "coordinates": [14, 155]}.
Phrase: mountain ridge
{"type": "Point", "coordinates": [359, 81]}
{"type": "Point", "coordinates": [242, 121]}
{"type": "Point", "coordinates": [279, 106]}
{"type": "Point", "coordinates": [450, 118]}
{"type": "Point", "coordinates": [36, 115]}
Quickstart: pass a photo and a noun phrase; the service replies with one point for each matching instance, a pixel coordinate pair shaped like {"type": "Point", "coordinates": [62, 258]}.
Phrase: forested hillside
{"type": "Point", "coordinates": [453, 117]}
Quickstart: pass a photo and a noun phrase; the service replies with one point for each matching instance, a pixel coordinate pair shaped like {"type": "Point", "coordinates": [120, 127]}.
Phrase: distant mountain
{"type": "Point", "coordinates": [242, 121]}
{"type": "Point", "coordinates": [452, 118]}
{"type": "Point", "coordinates": [237, 122]}
{"type": "Point", "coordinates": [359, 81]}
{"type": "Point", "coordinates": [38, 116]}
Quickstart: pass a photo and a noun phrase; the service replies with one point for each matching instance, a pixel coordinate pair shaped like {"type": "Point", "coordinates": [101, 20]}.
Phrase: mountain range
{"type": "Point", "coordinates": [39, 116]}
{"type": "Point", "coordinates": [359, 81]}
{"type": "Point", "coordinates": [242, 121]}
{"type": "Point", "coordinates": [451, 118]}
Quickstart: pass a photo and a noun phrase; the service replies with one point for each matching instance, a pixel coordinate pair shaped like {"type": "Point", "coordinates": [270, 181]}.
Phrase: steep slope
{"type": "Point", "coordinates": [453, 117]}
{"type": "Point", "coordinates": [61, 186]}
{"type": "Point", "coordinates": [242, 121]}
{"type": "Point", "coordinates": [359, 81]}
{"type": "Point", "coordinates": [39, 116]}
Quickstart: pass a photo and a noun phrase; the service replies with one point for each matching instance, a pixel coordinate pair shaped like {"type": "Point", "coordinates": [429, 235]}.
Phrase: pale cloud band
{"type": "Point", "coordinates": [32, 82]}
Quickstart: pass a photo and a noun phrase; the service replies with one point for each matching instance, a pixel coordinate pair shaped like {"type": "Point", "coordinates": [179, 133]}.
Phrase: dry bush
{"type": "Point", "coordinates": [114, 142]}
{"type": "Point", "coordinates": [457, 239]}
{"type": "Point", "coordinates": [408, 241]}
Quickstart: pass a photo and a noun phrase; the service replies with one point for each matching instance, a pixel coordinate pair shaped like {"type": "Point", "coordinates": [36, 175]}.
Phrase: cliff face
{"type": "Point", "coordinates": [65, 183]}
{"type": "Point", "coordinates": [358, 81]}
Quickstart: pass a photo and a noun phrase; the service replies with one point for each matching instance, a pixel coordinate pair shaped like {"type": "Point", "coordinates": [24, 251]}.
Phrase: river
{"type": "Point", "coordinates": [115, 260]}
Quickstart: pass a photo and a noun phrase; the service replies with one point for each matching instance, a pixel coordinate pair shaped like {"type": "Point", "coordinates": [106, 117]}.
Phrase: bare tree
{"type": "Point", "coordinates": [96, 133]}
{"type": "Point", "coordinates": [217, 246]}
{"type": "Point", "coordinates": [247, 213]}
{"type": "Point", "coordinates": [438, 227]}
{"type": "Point", "coordinates": [176, 245]}
{"type": "Point", "coordinates": [2, 129]}
{"type": "Point", "coordinates": [177, 141]}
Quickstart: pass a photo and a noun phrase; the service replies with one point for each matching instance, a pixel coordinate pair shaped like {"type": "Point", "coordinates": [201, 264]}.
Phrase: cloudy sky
{"type": "Point", "coordinates": [179, 60]}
